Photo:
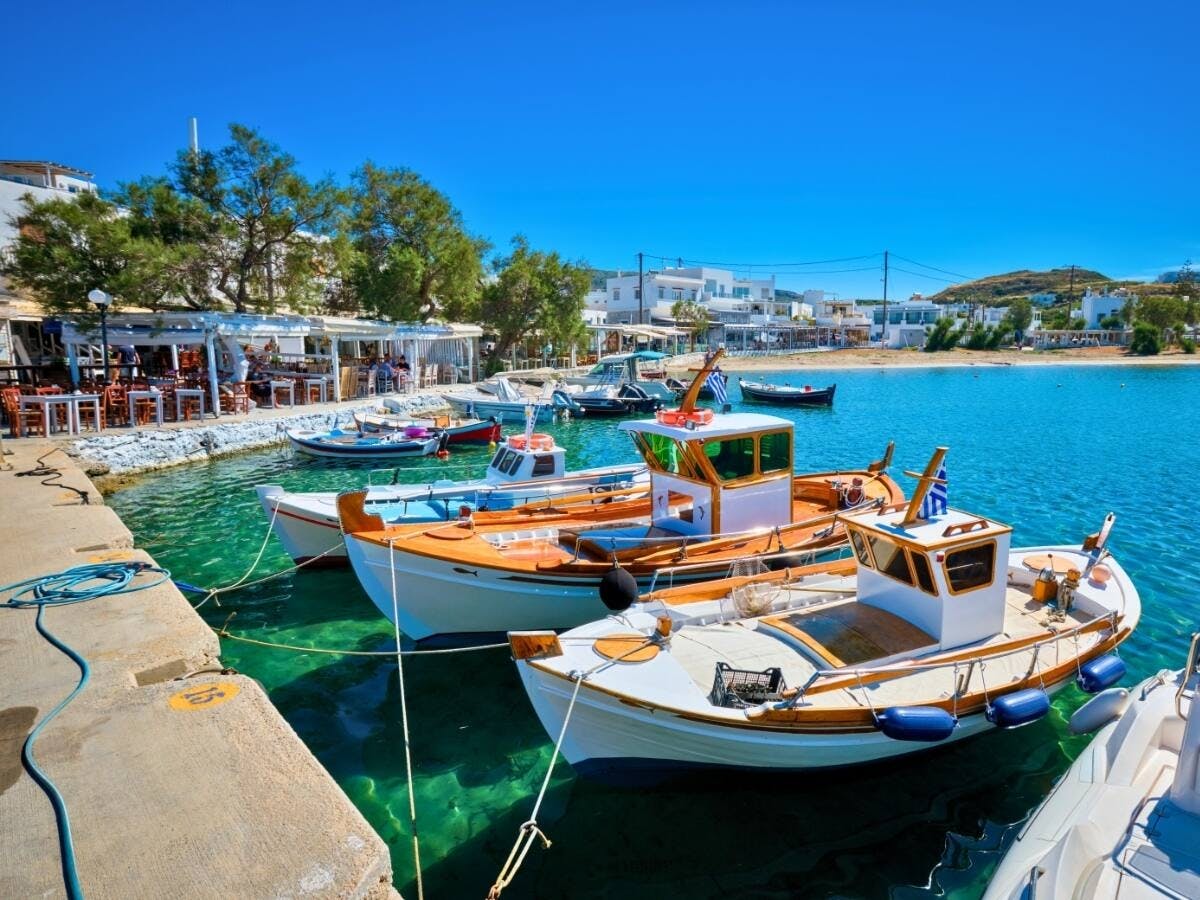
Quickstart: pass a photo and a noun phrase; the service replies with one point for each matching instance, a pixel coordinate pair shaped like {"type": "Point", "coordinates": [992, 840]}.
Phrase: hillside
{"type": "Point", "coordinates": [998, 289]}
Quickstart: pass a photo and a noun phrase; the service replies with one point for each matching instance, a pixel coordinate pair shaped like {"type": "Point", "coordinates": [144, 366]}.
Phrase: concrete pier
{"type": "Point", "coordinates": [180, 780]}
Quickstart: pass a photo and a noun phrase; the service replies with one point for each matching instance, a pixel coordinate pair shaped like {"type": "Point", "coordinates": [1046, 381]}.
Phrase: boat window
{"type": "Point", "coordinates": [860, 549]}
{"type": "Point", "coordinates": [661, 452]}
{"type": "Point", "coordinates": [543, 464]}
{"type": "Point", "coordinates": [890, 559]}
{"type": "Point", "coordinates": [732, 458]}
{"type": "Point", "coordinates": [971, 567]}
{"type": "Point", "coordinates": [924, 574]}
{"type": "Point", "coordinates": [775, 451]}
{"type": "Point", "coordinates": [499, 456]}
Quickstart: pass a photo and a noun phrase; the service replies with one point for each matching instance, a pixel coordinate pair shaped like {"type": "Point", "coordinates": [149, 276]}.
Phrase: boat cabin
{"type": "Point", "coordinates": [946, 575]}
{"type": "Point", "coordinates": [537, 458]}
{"type": "Point", "coordinates": [736, 470]}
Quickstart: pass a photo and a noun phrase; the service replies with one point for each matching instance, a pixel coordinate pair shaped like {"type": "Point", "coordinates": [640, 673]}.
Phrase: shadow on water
{"type": "Point", "coordinates": [1050, 450]}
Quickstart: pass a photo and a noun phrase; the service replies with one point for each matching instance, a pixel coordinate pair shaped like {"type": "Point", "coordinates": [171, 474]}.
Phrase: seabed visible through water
{"type": "Point", "coordinates": [1047, 449]}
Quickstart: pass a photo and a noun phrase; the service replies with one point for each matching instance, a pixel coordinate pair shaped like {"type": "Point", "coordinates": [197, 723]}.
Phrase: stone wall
{"type": "Point", "coordinates": [126, 452]}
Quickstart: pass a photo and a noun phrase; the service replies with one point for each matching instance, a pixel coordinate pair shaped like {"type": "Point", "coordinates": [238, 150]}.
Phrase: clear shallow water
{"type": "Point", "coordinates": [1050, 450]}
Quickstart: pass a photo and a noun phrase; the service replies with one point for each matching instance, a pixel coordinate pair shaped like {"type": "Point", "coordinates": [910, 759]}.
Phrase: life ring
{"type": "Point", "coordinates": [537, 441]}
{"type": "Point", "coordinates": [677, 417]}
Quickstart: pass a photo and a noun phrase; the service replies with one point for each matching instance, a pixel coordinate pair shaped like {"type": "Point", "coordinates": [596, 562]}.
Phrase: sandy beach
{"type": "Point", "coordinates": [871, 358]}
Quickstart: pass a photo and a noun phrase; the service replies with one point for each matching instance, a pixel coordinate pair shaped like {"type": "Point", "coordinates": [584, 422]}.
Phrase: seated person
{"type": "Point", "coordinates": [402, 365]}
{"type": "Point", "coordinates": [258, 381]}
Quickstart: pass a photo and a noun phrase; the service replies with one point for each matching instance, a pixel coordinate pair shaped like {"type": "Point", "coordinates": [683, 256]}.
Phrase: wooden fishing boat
{"type": "Point", "coordinates": [459, 431]}
{"type": "Point", "coordinates": [1124, 820]}
{"type": "Point", "coordinates": [351, 445]}
{"type": "Point", "coordinates": [786, 394]}
{"type": "Point", "coordinates": [938, 631]}
{"type": "Point", "coordinates": [721, 488]}
{"type": "Point", "coordinates": [523, 470]}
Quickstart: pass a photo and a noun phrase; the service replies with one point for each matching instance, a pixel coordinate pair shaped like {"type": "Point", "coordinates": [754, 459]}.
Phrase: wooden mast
{"type": "Point", "coordinates": [688, 403]}
{"type": "Point", "coordinates": [925, 480]}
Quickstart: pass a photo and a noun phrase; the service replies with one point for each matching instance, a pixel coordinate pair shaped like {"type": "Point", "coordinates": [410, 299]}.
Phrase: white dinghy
{"type": "Point", "coordinates": [1124, 821]}
{"type": "Point", "coordinates": [938, 632]}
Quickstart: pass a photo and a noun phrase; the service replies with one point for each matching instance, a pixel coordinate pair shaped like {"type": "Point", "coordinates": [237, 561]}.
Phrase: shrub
{"type": "Point", "coordinates": [1187, 345]}
{"type": "Point", "coordinates": [1146, 340]}
{"type": "Point", "coordinates": [942, 336]}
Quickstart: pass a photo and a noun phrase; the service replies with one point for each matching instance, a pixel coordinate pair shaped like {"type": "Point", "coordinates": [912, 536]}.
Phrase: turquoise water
{"type": "Point", "coordinates": [1049, 449]}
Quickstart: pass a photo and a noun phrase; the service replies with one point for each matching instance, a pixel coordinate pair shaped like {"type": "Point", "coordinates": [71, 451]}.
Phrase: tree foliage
{"type": "Point", "coordinates": [693, 316]}
{"type": "Point", "coordinates": [535, 292]}
{"type": "Point", "coordinates": [1161, 311]}
{"type": "Point", "coordinates": [944, 335]}
{"type": "Point", "coordinates": [413, 254]}
{"type": "Point", "coordinates": [262, 224]}
{"type": "Point", "coordinates": [1147, 340]}
{"type": "Point", "coordinates": [987, 337]}
{"type": "Point", "coordinates": [1020, 314]}
{"type": "Point", "coordinates": [65, 248]}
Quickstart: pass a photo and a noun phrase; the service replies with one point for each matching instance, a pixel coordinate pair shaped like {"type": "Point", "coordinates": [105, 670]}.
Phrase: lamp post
{"type": "Point", "coordinates": [102, 300]}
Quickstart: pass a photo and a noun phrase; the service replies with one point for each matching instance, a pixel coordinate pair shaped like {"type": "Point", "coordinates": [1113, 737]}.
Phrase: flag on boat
{"type": "Point", "coordinates": [715, 382]}
{"type": "Point", "coordinates": [937, 500]}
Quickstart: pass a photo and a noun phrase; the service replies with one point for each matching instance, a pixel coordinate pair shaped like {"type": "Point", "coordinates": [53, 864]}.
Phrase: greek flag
{"type": "Point", "coordinates": [936, 499]}
{"type": "Point", "coordinates": [716, 384]}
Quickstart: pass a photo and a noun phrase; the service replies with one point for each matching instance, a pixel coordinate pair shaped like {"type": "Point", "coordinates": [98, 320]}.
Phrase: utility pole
{"type": "Point", "coordinates": [641, 287]}
{"type": "Point", "coordinates": [883, 334]}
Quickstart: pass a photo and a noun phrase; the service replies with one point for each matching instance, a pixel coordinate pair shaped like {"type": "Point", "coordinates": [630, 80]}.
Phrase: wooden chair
{"type": "Point", "coordinates": [366, 384]}
{"type": "Point", "coordinates": [115, 404]}
{"type": "Point", "coordinates": [238, 401]}
{"type": "Point", "coordinates": [87, 414]}
{"type": "Point", "coordinates": [145, 410]}
{"type": "Point", "coordinates": [20, 418]}
{"type": "Point", "coordinates": [428, 376]}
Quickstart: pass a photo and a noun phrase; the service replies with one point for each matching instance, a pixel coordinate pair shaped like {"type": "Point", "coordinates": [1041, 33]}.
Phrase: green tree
{"type": "Point", "coordinates": [1162, 311]}
{"type": "Point", "coordinates": [1020, 314]}
{"type": "Point", "coordinates": [534, 292]}
{"type": "Point", "coordinates": [1147, 340]}
{"type": "Point", "coordinates": [266, 224]}
{"type": "Point", "coordinates": [1185, 288]}
{"type": "Point", "coordinates": [65, 248]}
{"type": "Point", "coordinates": [693, 316]}
{"type": "Point", "coordinates": [414, 257]}
{"type": "Point", "coordinates": [942, 336]}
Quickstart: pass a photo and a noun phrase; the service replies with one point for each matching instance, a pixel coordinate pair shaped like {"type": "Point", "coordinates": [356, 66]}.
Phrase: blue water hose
{"type": "Point", "coordinates": [75, 585]}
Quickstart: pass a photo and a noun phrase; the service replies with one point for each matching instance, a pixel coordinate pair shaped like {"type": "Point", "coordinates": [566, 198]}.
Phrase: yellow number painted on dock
{"type": "Point", "coordinates": [204, 696]}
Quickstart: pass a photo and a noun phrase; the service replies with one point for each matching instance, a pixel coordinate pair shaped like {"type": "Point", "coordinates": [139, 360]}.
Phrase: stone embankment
{"type": "Point", "coordinates": [127, 452]}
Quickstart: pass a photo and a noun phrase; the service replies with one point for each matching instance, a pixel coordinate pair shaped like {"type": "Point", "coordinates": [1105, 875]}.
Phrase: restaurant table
{"type": "Point", "coordinates": [77, 401]}
{"type": "Point", "coordinates": [322, 383]}
{"type": "Point", "coordinates": [180, 393]}
{"type": "Point", "coordinates": [156, 396]}
{"type": "Point", "coordinates": [47, 402]}
{"type": "Point", "coordinates": [285, 384]}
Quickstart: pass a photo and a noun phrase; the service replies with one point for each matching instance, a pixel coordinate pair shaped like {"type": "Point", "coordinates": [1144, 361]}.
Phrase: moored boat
{"type": "Point", "coordinates": [522, 470]}
{"type": "Point", "coordinates": [352, 445]}
{"type": "Point", "coordinates": [786, 394]}
{"type": "Point", "coordinates": [721, 488]}
{"type": "Point", "coordinates": [625, 400]}
{"type": "Point", "coordinates": [938, 633]}
{"type": "Point", "coordinates": [1124, 819]}
{"type": "Point", "coordinates": [509, 404]}
{"type": "Point", "coordinates": [458, 431]}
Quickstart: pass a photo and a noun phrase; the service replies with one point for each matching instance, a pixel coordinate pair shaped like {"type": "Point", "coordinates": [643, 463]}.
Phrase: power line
{"type": "Point", "coordinates": [924, 275]}
{"type": "Point", "coordinates": [934, 268]}
{"type": "Point", "coordinates": [777, 265]}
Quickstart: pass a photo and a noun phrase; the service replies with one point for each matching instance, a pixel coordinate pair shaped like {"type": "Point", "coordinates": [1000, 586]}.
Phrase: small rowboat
{"type": "Point", "coordinates": [349, 445]}
{"type": "Point", "coordinates": [461, 431]}
{"type": "Point", "coordinates": [786, 394]}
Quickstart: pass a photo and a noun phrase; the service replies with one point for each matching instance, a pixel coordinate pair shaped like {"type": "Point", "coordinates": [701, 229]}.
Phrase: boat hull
{"type": "Point", "coordinates": [611, 739]}
{"type": "Point", "coordinates": [501, 410]}
{"type": "Point", "coordinates": [788, 397]}
{"type": "Point", "coordinates": [319, 444]}
{"type": "Point", "coordinates": [481, 432]}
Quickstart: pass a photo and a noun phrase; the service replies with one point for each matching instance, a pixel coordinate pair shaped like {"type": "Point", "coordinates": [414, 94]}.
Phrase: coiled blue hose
{"type": "Point", "coordinates": [75, 585]}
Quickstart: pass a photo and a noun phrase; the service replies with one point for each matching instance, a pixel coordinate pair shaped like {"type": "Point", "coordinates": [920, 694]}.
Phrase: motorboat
{"type": "Point", "coordinates": [458, 431]}
{"type": "Point", "coordinates": [625, 400]}
{"type": "Point", "coordinates": [631, 369]}
{"type": "Point", "coordinates": [506, 403]}
{"type": "Point", "coordinates": [414, 441]}
{"type": "Point", "coordinates": [786, 394]}
{"type": "Point", "coordinates": [722, 487]}
{"type": "Point", "coordinates": [524, 469]}
{"type": "Point", "coordinates": [937, 631]}
{"type": "Point", "coordinates": [1124, 820]}
{"type": "Point", "coordinates": [706, 392]}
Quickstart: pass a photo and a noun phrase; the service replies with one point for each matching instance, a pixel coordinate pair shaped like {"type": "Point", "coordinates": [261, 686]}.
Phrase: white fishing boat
{"type": "Point", "coordinates": [339, 444]}
{"type": "Point", "coordinates": [629, 369]}
{"type": "Point", "coordinates": [939, 632]}
{"type": "Point", "coordinates": [1124, 821]}
{"type": "Point", "coordinates": [505, 403]}
{"type": "Point", "coordinates": [526, 468]}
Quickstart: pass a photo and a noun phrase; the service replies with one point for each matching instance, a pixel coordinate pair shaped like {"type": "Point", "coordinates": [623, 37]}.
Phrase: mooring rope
{"type": "Point", "coordinates": [412, 801]}
{"type": "Point", "coordinates": [333, 651]}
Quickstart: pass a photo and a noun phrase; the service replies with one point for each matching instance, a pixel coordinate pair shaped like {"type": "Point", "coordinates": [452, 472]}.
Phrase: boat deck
{"type": "Point", "coordinates": [835, 633]}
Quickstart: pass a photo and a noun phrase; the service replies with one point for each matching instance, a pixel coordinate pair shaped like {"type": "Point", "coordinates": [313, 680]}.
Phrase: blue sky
{"type": "Point", "coordinates": [974, 138]}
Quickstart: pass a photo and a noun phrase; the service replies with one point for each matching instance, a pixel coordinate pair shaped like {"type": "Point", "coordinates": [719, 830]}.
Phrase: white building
{"type": "Point", "coordinates": [1046, 298]}
{"type": "Point", "coordinates": [22, 339]}
{"type": "Point", "coordinates": [728, 298]}
{"type": "Point", "coordinates": [1097, 307]}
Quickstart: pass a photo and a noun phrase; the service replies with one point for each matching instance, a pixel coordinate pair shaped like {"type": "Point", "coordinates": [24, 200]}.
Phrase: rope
{"type": "Point", "coordinates": [50, 476]}
{"type": "Point", "coordinates": [257, 559]}
{"type": "Point", "coordinates": [223, 633]}
{"type": "Point", "coordinates": [412, 802]}
{"type": "Point", "coordinates": [76, 585]}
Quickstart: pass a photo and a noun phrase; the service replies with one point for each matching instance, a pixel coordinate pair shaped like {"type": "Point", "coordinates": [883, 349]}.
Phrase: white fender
{"type": "Point", "coordinates": [1099, 711]}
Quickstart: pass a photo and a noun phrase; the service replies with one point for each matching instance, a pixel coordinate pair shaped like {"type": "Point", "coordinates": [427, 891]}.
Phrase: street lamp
{"type": "Point", "coordinates": [102, 300]}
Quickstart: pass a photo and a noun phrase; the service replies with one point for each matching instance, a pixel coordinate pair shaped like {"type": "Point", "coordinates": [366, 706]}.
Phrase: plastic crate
{"type": "Point", "coordinates": [738, 688]}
